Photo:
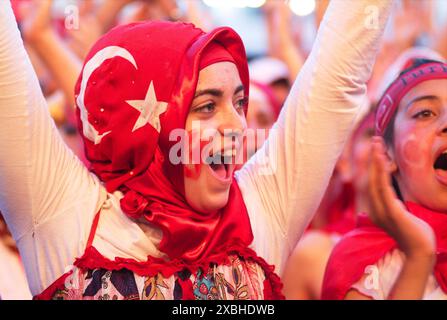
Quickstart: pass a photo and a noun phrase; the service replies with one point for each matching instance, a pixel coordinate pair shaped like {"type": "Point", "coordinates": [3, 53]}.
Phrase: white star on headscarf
{"type": "Point", "coordinates": [150, 109]}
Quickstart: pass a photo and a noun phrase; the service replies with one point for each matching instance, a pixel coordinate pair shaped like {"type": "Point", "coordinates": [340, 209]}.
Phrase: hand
{"type": "Point", "coordinates": [37, 22]}
{"type": "Point", "coordinates": [410, 21]}
{"type": "Point", "coordinates": [82, 39]}
{"type": "Point", "coordinates": [320, 9]}
{"type": "Point", "coordinates": [282, 44]}
{"type": "Point", "coordinates": [170, 9]}
{"type": "Point", "coordinates": [414, 236]}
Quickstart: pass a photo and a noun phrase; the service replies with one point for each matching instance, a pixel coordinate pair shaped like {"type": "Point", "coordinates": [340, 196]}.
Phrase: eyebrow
{"type": "Point", "coordinates": [216, 92]}
{"type": "Point", "coordinates": [429, 97]}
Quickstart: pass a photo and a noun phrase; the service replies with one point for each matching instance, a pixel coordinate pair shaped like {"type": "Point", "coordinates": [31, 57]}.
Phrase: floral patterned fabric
{"type": "Point", "coordinates": [238, 280]}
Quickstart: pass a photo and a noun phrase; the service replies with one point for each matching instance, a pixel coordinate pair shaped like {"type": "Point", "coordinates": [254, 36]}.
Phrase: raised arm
{"type": "Point", "coordinates": [284, 182]}
{"type": "Point", "coordinates": [47, 196]}
{"type": "Point", "coordinates": [282, 44]}
{"type": "Point", "coordinates": [62, 63]}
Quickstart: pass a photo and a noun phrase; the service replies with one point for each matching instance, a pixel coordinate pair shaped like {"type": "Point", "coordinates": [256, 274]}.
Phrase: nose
{"type": "Point", "coordinates": [232, 123]}
{"type": "Point", "coordinates": [443, 126]}
{"type": "Point", "coordinates": [232, 126]}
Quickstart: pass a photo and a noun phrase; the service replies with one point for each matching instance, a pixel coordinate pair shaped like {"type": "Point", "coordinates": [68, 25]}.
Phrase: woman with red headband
{"type": "Point", "coordinates": [407, 257]}
{"type": "Point", "coordinates": [141, 224]}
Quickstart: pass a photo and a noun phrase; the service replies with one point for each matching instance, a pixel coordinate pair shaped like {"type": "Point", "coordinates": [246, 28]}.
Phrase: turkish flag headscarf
{"type": "Point", "coordinates": [137, 86]}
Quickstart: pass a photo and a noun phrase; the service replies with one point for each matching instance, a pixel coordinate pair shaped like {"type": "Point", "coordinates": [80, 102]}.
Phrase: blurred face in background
{"type": "Point", "coordinates": [281, 89]}
{"type": "Point", "coordinates": [360, 153]}
{"type": "Point", "coordinates": [260, 118]}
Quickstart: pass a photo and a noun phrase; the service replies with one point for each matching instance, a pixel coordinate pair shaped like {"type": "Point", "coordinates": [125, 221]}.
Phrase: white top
{"type": "Point", "coordinates": [49, 198]}
{"type": "Point", "coordinates": [380, 278]}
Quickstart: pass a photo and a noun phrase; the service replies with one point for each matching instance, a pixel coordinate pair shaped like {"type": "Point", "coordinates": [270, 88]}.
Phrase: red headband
{"type": "Point", "coordinates": [401, 86]}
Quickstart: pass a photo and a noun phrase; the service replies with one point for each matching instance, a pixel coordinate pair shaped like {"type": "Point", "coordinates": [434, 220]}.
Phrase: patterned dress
{"type": "Point", "coordinates": [237, 276]}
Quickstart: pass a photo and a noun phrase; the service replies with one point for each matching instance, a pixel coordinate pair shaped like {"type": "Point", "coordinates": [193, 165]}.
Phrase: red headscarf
{"type": "Point", "coordinates": [365, 245]}
{"type": "Point", "coordinates": [136, 86]}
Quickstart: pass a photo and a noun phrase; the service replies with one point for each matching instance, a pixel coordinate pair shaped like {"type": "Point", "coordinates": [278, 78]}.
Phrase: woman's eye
{"type": "Point", "coordinates": [424, 114]}
{"type": "Point", "coordinates": [241, 104]}
{"type": "Point", "coordinates": [208, 108]}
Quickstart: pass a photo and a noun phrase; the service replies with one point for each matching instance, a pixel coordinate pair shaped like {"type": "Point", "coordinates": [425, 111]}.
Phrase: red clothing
{"type": "Point", "coordinates": [365, 245]}
{"type": "Point", "coordinates": [135, 88]}
{"type": "Point", "coordinates": [235, 273]}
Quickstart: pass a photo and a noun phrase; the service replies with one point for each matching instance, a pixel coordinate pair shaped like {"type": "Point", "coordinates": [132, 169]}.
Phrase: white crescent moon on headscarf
{"type": "Point", "coordinates": [94, 63]}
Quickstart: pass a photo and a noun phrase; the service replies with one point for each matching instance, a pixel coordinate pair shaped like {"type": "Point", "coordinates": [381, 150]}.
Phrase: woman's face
{"type": "Point", "coordinates": [260, 118]}
{"type": "Point", "coordinates": [218, 111]}
{"type": "Point", "coordinates": [420, 144]}
{"type": "Point", "coordinates": [360, 153]}
{"type": "Point", "coordinates": [260, 114]}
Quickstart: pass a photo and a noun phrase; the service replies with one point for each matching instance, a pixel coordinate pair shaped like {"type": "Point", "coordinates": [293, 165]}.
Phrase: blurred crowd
{"type": "Point", "coordinates": [59, 40]}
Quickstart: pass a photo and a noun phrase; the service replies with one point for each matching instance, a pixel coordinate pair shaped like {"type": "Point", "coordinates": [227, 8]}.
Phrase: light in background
{"type": "Point", "coordinates": [302, 7]}
{"type": "Point", "coordinates": [248, 20]}
{"type": "Point", "coordinates": [246, 17]}
{"type": "Point", "coordinates": [235, 3]}
{"type": "Point", "coordinates": [299, 7]}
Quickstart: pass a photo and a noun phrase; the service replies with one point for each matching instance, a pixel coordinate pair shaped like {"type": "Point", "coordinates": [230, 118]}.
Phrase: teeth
{"type": "Point", "coordinates": [214, 159]}
{"type": "Point", "coordinates": [222, 158]}
{"type": "Point", "coordinates": [230, 153]}
{"type": "Point", "coordinates": [228, 160]}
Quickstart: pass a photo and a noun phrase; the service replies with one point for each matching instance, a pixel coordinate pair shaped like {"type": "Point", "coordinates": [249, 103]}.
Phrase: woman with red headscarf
{"type": "Point", "coordinates": [144, 223]}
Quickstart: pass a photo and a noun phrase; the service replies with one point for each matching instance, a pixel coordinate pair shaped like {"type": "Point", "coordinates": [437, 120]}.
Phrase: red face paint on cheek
{"type": "Point", "coordinates": [192, 171]}
{"type": "Point", "coordinates": [413, 152]}
{"type": "Point", "coordinates": [196, 147]}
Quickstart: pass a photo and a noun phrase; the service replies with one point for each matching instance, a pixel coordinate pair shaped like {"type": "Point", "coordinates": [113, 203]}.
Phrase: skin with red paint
{"type": "Point", "coordinates": [420, 136]}
{"type": "Point", "coordinates": [218, 106]}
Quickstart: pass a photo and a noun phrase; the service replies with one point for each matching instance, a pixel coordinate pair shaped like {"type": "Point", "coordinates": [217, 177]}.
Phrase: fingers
{"type": "Point", "coordinates": [44, 9]}
{"type": "Point", "coordinates": [386, 191]}
{"type": "Point", "coordinates": [38, 21]}
{"type": "Point", "coordinates": [375, 203]}
{"type": "Point", "coordinates": [381, 193]}
{"type": "Point", "coordinates": [387, 211]}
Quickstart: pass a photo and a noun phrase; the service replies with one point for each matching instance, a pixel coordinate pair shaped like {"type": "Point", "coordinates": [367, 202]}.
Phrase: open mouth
{"type": "Point", "coordinates": [440, 167]}
{"type": "Point", "coordinates": [221, 164]}
{"type": "Point", "coordinates": [441, 162]}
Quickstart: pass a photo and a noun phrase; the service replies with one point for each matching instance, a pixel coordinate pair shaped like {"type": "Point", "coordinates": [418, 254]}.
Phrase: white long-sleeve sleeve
{"type": "Point", "coordinates": [47, 195]}
{"type": "Point", "coordinates": [284, 182]}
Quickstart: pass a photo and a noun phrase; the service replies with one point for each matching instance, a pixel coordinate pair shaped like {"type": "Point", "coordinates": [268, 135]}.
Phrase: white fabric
{"type": "Point", "coordinates": [49, 198]}
{"type": "Point", "coordinates": [385, 273]}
